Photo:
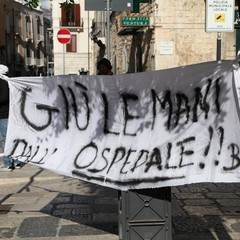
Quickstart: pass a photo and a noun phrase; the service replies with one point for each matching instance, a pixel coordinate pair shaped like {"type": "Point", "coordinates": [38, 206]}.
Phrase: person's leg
{"type": "Point", "coordinates": [7, 162]}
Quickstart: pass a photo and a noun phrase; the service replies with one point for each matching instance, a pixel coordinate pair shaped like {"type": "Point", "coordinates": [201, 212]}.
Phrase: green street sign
{"type": "Point", "coordinates": [135, 21]}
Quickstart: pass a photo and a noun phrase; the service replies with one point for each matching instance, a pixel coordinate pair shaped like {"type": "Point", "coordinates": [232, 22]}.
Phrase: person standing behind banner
{"type": "Point", "coordinates": [104, 67]}
{"type": "Point", "coordinates": [8, 164]}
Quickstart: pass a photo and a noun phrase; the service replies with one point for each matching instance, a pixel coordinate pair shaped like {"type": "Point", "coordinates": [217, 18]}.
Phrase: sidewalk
{"type": "Point", "coordinates": [206, 211]}
{"type": "Point", "coordinates": [37, 204]}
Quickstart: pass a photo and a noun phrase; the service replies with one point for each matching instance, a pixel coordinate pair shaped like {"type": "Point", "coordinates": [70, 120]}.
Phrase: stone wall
{"type": "Point", "coordinates": [176, 37]}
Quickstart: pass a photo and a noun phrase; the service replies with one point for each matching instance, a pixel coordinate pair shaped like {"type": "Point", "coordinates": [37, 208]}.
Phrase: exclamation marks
{"type": "Point", "coordinates": [206, 151]}
{"type": "Point", "coordinates": [210, 130]}
{"type": "Point", "coordinates": [220, 134]}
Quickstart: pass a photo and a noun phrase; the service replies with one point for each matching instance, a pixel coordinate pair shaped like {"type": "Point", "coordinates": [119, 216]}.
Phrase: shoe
{"type": "Point", "coordinates": [18, 165]}
{"type": "Point", "coordinates": [5, 169]}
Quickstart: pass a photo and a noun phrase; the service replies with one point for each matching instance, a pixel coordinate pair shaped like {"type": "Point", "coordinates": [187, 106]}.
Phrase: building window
{"type": "Point", "coordinates": [71, 16]}
{"type": "Point", "coordinates": [124, 60]}
{"type": "Point", "coordinates": [28, 26]}
{"type": "Point", "coordinates": [17, 55]}
{"type": "Point", "coordinates": [72, 45]}
{"type": "Point", "coordinates": [16, 22]}
{"type": "Point", "coordinates": [7, 23]}
{"type": "Point", "coordinates": [38, 25]}
{"type": "Point", "coordinates": [28, 50]}
{"type": "Point", "coordinates": [38, 53]}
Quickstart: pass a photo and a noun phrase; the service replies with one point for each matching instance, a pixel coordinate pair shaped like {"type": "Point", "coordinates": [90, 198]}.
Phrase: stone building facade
{"type": "Point", "coordinates": [75, 57]}
{"type": "Point", "coordinates": [175, 36]}
{"type": "Point", "coordinates": [22, 39]}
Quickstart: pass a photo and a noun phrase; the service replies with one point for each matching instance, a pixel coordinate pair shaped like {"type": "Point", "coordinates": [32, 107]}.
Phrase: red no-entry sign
{"type": "Point", "coordinates": [64, 36]}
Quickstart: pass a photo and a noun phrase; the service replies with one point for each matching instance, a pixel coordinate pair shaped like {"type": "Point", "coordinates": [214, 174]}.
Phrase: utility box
{"type": "Point", "coordinates": [145, 214]}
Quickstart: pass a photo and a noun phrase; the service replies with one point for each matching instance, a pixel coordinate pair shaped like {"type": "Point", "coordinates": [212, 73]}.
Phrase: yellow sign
{"type": "Point", "coordinates": [220, 17]}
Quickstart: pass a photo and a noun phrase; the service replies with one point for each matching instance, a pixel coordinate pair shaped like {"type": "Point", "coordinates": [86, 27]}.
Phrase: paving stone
{"type": "Point", "coordinates": [221, 195]}
{"type": "Point", "coordinates": [60, 199]}
{"type": "Point", "coordinates": [62, 212]}
{"type": "Point", "coordinates": [82, 199]}
{"type": "Point", "coordinates": [188, 195]}
{"type": "Point", "coordinates": [177, 209]}
{"type": "Point", "coordinates": [38, 227]}
{"type": "Point", "coordinates": [192, 236]}
{"type": "Point", "coordinates": [110, 227]}
{"type": "Point", "coordinates": [236, 227]}
{"type": "Point", "coordinates": [223, 187]}
{"type": "Point", "coordinates": [111, 200]}
{"type": "Point", "coordinates": [229, 202]}
{"type": "Point", "coordinates": [81, 218]}
{"type": "Point", "coordinates": [73, 230]}
{"type": "Point", "coordinates": [47, 209]}
{"type": "Point", "coordinates": [71, 205]}
{"type": "Point", "coordinates": [106, 208]}
{"type": "Point", "coordinates": [174, 190]}
{"type": "Point", "coordinates": [197, 188]}
{"type": "Point", "coordinates": [210, 227]}
{"type": "Point", "coordinates": [189, 224]}
{"type": "Point", "coordinates": [7, 232]}
{"type": "Point", "coordinates": [198, 202]}
{"type": "Point", "coordinates": [202, 210]}
{"type": "Point", "coordinates": [231, 210]}
{"type": "Point", "coordinates": [105, 217]}
{"type": "Point", "coordinates": [82, 210]}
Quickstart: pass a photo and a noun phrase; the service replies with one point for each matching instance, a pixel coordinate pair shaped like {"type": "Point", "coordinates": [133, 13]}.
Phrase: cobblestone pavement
{"type": "Point", "coordinates": [37, 204]}
{"type": "Point", "coordinates": [206, 211]}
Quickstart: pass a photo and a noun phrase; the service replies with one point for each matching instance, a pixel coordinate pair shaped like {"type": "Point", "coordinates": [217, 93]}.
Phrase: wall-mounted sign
{"type": "Point", "coordinates": [166, 47]}
{"type": "Point", "coordinates": [220, 15]}
{"type": "Point", "coordinates": [134, 21]}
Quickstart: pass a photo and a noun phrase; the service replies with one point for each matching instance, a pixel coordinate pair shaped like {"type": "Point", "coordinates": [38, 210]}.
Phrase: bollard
{"type": "Point", "coordinates": [145, 214]}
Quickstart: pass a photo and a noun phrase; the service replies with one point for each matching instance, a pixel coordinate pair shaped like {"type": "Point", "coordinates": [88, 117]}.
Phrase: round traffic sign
{"type": "Point", "coordinates": [64, 36]}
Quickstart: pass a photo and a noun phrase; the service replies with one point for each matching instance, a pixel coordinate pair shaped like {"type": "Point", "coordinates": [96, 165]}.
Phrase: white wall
{"type": "Point", "coordinates": [83, 58]}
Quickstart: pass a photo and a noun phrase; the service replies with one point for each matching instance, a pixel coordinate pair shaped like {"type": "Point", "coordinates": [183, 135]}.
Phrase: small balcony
{"type": "Point", "coordinates": [30, 61]}
{"type": "Point", "coordinates": [72, 25]}
{"type": "Point", "coordinates": [39, 62]}
{"type": "Point", "coordinates": [40, 37]}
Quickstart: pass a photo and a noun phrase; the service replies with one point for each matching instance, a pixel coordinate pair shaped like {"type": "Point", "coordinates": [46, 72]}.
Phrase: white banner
{"type": "Point", "coordinates": [143, 130]}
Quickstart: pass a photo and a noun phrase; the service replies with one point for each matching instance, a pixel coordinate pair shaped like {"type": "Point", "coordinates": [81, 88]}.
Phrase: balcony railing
{"type": "Point", "coordinates": [39, 62]}
{"type": "Point", "coordinates": [30, 61]}
{"type": "Point", "coordinates": [34, 62]}
{"type": "Point", "coordinates": [40, 37]}
{"type": "Point", "coordinates": [71, 24]}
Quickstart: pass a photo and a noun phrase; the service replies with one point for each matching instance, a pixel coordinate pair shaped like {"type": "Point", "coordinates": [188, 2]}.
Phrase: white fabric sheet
{"type": "Point", "coordinates": [131, 131]}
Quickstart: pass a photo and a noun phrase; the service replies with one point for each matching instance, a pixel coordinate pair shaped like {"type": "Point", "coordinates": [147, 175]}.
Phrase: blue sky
{"type": "Point", "coordinates": [45, 3]}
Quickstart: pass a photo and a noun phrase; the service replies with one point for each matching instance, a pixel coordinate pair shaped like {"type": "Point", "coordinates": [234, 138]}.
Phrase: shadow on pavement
{"type": "Point", "coordinates": [199, 227]}
{"type": "Point", "coordinates": [93, 213]}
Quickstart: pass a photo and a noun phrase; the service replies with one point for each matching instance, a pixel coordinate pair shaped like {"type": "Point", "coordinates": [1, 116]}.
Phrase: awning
{"type": "Point", "coordinates": [128, 31]}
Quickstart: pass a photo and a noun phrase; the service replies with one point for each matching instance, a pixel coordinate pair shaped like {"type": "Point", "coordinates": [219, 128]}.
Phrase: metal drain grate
{"type": "Point", "coordinates": [4, 209]}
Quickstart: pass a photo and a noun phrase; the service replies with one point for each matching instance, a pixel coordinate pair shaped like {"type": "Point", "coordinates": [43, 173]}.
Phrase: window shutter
{"type": "Point", "coordinates": [77, 15]}
{"type": "Point", "coordinates": [64, 16]}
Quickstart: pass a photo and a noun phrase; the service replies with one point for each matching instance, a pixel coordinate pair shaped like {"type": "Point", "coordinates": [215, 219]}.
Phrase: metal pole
{"type": "Point", "coordinates": [219, 40]}
{"type": "Point", "coordinates": [108, 30]}
{"type": "Point", "coordinates": [47, 66]}
{"type": "Point", "coordinates": [88, 45]}
{"type": "Point", "coordinates": [63, 59]}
